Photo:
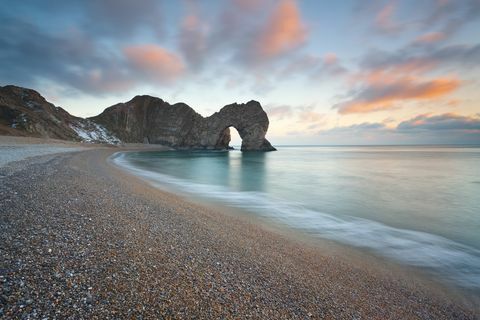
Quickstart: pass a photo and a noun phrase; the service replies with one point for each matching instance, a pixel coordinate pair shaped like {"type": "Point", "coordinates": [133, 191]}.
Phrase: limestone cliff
{"type": "Point", "coordinates": [146, 119]}
{"type": "Point", "coordinates": [24, 112]}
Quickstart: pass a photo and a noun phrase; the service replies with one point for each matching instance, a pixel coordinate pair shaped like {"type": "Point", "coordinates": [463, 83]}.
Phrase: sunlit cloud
{"type": "Point", "coordinates": [154, 62]}
{"type": "Point", "coordinates": [283, 32]}
{"type": "Point", "coordinates": [382, 95]}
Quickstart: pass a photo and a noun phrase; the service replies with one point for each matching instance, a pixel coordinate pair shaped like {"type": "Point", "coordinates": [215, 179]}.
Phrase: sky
{"type": "Point", "coordinates": [326, 72]}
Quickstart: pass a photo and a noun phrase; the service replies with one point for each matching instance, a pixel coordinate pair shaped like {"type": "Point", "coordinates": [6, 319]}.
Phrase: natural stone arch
{"type": "Point", "coordinates": [146, 119]}
{"type": "Point", "coordinates": [249, 119]}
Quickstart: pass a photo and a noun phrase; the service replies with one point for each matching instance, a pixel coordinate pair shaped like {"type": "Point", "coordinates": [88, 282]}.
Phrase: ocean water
{"type": "Point", "coordinates": [418, 206]}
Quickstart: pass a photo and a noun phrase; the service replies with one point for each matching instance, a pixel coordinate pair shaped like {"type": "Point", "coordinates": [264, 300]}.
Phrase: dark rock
{"type": "Point", "coordinates": [24, 112]}
{"type": "Point", "coordinates": [146, 118]}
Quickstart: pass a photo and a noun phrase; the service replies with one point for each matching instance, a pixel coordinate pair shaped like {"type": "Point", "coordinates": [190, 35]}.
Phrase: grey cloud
{"type": "Point", "coordinates": [457, 55]}
{"type": "Point", "coordinates": [447, 17]}
{"type": "Point", "coordinates": [70, 58]}
{"type": "Point", "coordinates": [123, 17]}
{"type": "Point", "coordinates": [440, 122]}
{"type": "Point", "coordinates": [356, 128]}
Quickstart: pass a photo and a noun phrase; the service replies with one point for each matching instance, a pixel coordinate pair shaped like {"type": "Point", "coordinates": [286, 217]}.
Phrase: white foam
{"type": "Point", "coordinates": [452, 261]}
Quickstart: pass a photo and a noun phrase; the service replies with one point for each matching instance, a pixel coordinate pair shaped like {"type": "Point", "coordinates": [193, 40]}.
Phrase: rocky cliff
{"type": "Point", "coordinates": [24, 112]}
{"type": "Point", "coordinates": [144, 119]}
{"type": "Point", "coordinates": [151, 120]}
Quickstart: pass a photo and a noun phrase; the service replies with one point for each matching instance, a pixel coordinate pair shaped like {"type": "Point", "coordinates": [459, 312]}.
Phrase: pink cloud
{"type": "Point", "coordinates": [283, 32]}
{"type": "Point", "coordinates": [330, 58]}
{"type": "Point", "coordinates": [431, 37]}
{"type": "Point", "coordinates": [382, 95]}
{"type": "Point", "coordinates": [154, 62]}
{"type": "Point", "coordinates": [384, 18]}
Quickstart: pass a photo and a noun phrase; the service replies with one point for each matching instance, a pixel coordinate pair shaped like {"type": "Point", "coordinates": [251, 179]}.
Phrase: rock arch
{"type": "Point", "coordinates": [251, 122]}
{"type": "Point", "coordinates": [152, 120]}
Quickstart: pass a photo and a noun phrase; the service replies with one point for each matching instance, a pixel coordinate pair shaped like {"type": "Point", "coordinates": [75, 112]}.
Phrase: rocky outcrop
{"type": "Point", "coordinates": [249, 119]}
{"type": "Point", "coordinates": [146, 119]}
{"type": "Point", "coordinates": [24, 112]}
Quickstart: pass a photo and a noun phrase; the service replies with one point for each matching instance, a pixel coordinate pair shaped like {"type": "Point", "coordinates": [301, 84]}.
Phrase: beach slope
{"type": "Point", "coordinates": [82, 239]}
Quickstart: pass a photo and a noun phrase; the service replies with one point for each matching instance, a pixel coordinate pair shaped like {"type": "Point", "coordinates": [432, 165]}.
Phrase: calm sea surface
{"type": "Point", "coordinates": [418, 206]}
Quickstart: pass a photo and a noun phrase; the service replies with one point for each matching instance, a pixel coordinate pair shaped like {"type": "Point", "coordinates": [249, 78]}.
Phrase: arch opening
{"type": "Point", "coordinates": [229, 138]}
{"type": "Point", "coordinates": [235, 139]}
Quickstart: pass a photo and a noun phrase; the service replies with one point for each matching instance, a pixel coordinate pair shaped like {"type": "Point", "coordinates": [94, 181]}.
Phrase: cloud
{"type": "Point", "coordinates": [384, 18]}
{"type": "Point", "coordinates": [423, 129]}
{"type": "Point", "coordinates": [431, 37]}
{"type": "Point", "coordinates": [309, 115]}
{"type": "Point", "coordinates": [313, 67]}
{"type": "Point", "coordinates": [283, 32]}
{"type": "Point", "coordinates": [382, 95]}
{"type": "Point", "coordinates": [306, 116]}
{"type": "Point", "coordinates": [393, 17]}
{"type": "Point", "coordinates": [123, 18]}
{"type": "Point", "coordinates": [356, 128]}
{"type": "Point", "coordinates": [279, 112]}
{"type": "Point", "coordinates": [249, 5]}
{"type": "Point", "coordinates": [447, 121]}
{"type": "Point", "coordinates": [450, 16]}
{"type": "Point", "coordinates": [388, 80]}
{"type": "Point", "coordinates": [154, 62]}
{"type": "Point", "coordinates": [31, 55]}
{"type": "Point", "coordinates": [193, 37]}
{"type": "Point", "coordinates": [420, 59]}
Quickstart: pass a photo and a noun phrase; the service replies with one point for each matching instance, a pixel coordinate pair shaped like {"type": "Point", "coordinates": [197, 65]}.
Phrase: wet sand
{"type": "Point", "coordinates": [82, 239]}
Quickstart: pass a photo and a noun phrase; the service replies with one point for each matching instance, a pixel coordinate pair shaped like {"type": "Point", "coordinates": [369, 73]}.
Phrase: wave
{"type": "Point", "coordinates": [452, 261]}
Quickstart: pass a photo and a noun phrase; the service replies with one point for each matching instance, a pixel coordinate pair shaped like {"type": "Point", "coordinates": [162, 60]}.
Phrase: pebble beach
{"type": "Point", "coordinates": [81, 239]}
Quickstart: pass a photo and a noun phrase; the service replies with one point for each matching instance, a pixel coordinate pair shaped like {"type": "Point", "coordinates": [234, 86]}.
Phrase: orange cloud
{"type": "Point", "coordinates": [154, 62]}
{"type": "Point", "coordinates": [382, 96]}
{"type": "Point", "coordinates": [431, 37]}
{"type": "Point", "coordinates": [284, 31]}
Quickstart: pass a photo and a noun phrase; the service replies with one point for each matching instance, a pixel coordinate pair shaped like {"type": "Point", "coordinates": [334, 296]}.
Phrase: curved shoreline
{"type": "Point", "coordinates": [132, 250]}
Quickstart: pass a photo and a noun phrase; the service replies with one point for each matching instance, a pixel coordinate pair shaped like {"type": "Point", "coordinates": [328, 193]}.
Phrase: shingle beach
{"type": "Point", "coordinates": [80, 239]}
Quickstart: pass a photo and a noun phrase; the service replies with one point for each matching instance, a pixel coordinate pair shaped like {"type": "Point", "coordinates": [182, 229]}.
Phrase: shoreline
{"type": "Point", "coordinates": [349, 254]}
{"type": "Point", "coordinates": [119, 247]}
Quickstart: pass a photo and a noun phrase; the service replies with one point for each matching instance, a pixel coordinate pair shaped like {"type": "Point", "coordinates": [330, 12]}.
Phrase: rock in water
{"type": "Point", "coordinates": [152, 120]}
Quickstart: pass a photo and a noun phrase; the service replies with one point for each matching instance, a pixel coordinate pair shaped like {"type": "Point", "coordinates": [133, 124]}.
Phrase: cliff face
{"type": "Point", "coordinates": [24, 112]}
{"type": "Point", "coordinates": [146, 119]}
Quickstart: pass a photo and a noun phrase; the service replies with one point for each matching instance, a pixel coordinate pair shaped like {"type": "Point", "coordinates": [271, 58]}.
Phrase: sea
{"type": "Point", "coordinates": [417, 206]}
